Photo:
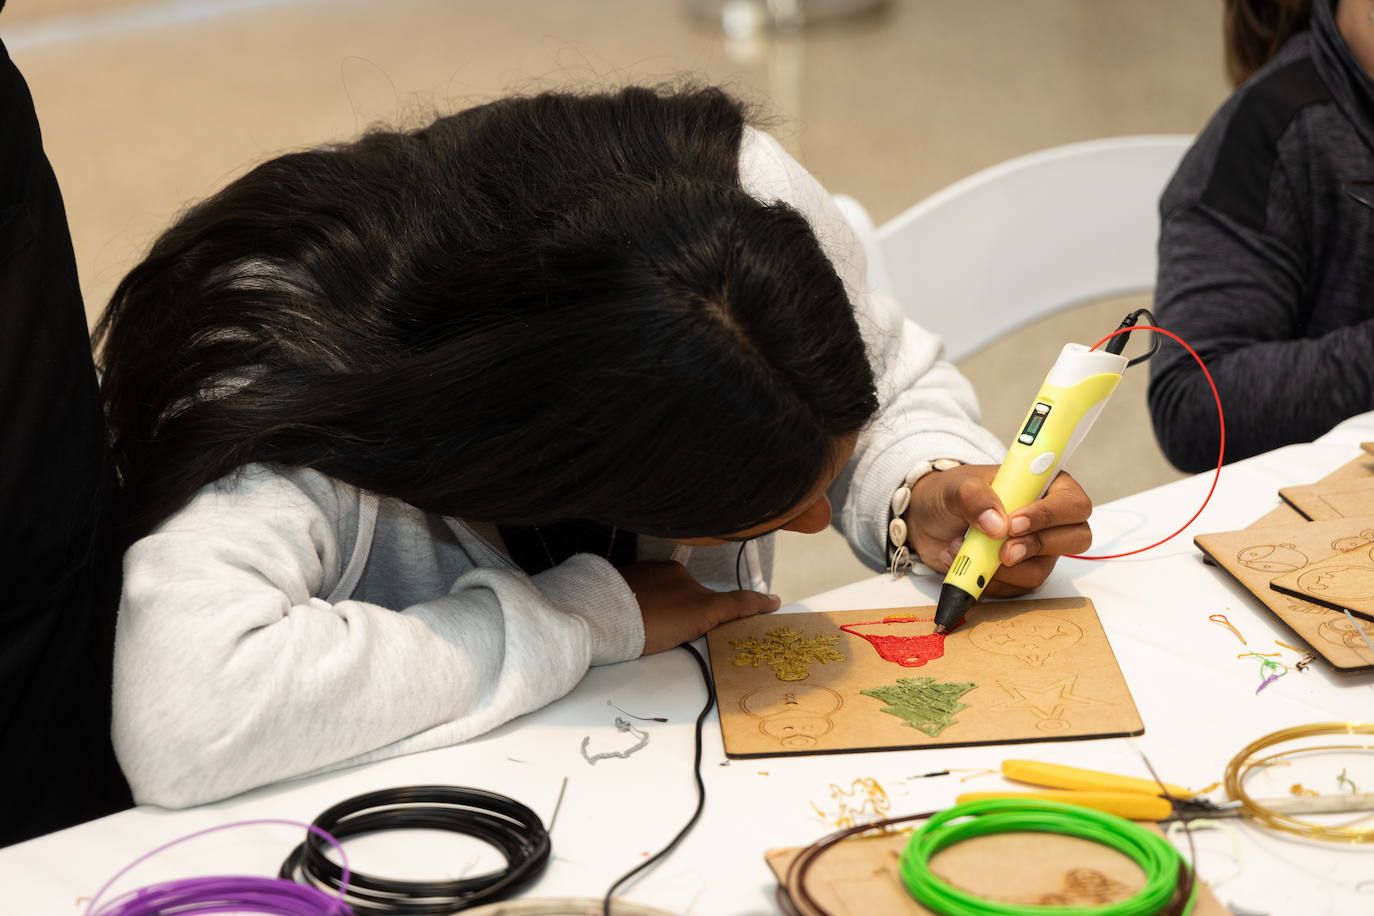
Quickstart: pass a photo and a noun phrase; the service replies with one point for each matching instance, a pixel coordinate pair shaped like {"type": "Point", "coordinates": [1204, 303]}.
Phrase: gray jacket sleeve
{"type": "Point", "coordinates": [1264, 268]}
{"type": "Point", "coordinates": [1237, 295]}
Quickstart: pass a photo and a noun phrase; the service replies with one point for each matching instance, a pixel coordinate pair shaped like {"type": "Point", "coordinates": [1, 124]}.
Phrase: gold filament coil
{"type": "Point", "coordinates": [1242, 764]}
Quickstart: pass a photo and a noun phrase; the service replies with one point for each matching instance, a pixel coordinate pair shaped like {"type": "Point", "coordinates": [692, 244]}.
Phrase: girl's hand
{"type": "Point", "coordinates": [945, 503]}
{"type": "Point", "coordinates": [677, 609]}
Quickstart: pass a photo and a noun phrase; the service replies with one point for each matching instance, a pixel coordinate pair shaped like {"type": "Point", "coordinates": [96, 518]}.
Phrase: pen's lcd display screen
{"type": "Point", "coordinates": [1033, 425]}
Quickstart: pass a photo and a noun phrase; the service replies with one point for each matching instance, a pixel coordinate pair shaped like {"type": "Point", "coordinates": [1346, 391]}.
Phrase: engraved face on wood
{"type": "Point", "coordinates": [1307, 597]}
{"type": "Point", "coordinates": [1339, 631]}
{"type": "Point", "coordinates": [1354, 541]}
{"type": "Point", "coordinates": [1274, 558]}
{"type": "Point", "coordinates": [1339, 583]}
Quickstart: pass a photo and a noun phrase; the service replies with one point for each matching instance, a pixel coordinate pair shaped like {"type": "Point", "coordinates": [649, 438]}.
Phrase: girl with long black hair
{"type": "Point", "coordinates": [413, 430]}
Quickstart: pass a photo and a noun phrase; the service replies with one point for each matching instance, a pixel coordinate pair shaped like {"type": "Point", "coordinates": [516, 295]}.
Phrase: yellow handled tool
{"type": "Point", "coordinates": [1123, 804]}
{"type": "Point", "coordinates": [1141, 799]}
{"type": "Point", "coordinates": [1057, 776]}
{"type": "Point", "coordinates": [1124, 796]}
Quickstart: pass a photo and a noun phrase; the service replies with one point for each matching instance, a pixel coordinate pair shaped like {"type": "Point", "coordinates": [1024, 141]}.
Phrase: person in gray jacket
{"type": "Point", "coordinates": [415, 429]}
{"type": "Point", "coordinates": [1266, 252]}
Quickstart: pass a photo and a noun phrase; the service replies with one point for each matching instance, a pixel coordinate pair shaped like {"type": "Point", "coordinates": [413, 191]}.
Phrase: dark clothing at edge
{"type": "Point", "coordinates": [56, 489]}
{"type": "Point", "coordinates": [1266, 259]}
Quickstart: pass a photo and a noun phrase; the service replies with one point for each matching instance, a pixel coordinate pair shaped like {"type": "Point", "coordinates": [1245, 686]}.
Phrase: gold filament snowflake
{"type": "Point", "coordinates": [789, 653]}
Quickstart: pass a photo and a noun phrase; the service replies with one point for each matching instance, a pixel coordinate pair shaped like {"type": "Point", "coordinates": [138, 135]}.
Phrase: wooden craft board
{"type": "Point", "coordinates": [860, 877]}
{"type": "Point", "coordinates": [1017, 671]}
{"type": "Point", "coordinates": [1258, 556]}
{"type": "Point", "coordinates": [1328, 499]}
{"type": "Point", "coordinates": [1283, 514]}
{"type": "Point", "coordinates": [1342, 581]}
{"type": "Point", "coordinates": [1355, 468]}
{"type": "Point", "coordinates": [1359, 468]}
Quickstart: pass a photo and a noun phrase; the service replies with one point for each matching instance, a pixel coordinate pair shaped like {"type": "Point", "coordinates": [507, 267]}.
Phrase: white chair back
{"type": "Point", "coordinates": [1027, 237]}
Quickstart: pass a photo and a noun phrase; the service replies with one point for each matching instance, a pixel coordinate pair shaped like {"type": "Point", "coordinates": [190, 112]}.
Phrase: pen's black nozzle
{"type": "Point", "coordinates": [953, 604]}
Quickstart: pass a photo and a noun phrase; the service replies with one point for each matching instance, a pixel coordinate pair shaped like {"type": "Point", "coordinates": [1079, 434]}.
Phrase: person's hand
{"type": "Point", "coordinates": [945, 503]}
{"type": "Point", "coordinates": [677, 609]}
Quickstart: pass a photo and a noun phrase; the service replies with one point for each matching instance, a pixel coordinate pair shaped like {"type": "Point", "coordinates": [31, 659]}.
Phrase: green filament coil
{"type": "Point", "coordinates": [1162, 864]}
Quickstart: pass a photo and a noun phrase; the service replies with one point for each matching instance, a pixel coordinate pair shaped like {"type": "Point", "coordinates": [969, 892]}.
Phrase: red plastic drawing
{"type": "Point", "coordinates": [902, 639]}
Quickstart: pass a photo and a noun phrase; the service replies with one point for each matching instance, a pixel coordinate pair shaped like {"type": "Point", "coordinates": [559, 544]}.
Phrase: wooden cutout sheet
{"type": "Point", "coordinates": [1016, 671]}
{"type": "Point", "coordinates": [1342, 581]}
{"type": "Point", "coordinates": [1347, 498]}
{"type": "Point", "coordinates": [1356, 469]}
{"type": "Point", "coordinates": [860, 877]}
{"type": "Point", "coordinates": [1258, 556]}
{"type": "Point", "coordinates": [1283, 514]}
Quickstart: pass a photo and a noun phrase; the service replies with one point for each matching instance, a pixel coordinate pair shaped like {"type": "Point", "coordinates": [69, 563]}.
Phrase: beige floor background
{"type": "Point", "coordinates": [148, 106]}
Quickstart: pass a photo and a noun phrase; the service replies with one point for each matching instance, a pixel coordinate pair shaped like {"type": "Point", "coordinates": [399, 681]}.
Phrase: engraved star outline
{"type": "Point", "coordinates": [1047, 702]}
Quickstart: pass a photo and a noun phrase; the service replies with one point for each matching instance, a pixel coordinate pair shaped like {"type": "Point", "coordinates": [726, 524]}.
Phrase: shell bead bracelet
{"type": "Point", "coordinates": [899, 554]}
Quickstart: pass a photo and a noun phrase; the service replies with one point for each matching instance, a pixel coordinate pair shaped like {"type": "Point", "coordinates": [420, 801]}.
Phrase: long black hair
{"type": "Point", "coordinates": [544, 308]}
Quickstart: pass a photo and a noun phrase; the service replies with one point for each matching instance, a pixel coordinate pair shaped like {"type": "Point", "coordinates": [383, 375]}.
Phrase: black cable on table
{"type": "Point", "coordinates": [701, 786]}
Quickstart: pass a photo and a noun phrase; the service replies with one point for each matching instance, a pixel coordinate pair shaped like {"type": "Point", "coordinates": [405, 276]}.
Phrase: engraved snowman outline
{"type": "Point", "coordinates": [800, 713]}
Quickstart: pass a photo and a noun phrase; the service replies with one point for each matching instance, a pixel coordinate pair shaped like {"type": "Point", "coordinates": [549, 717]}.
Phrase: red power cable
{"type": "Point", "coordinates": [1221, 452]}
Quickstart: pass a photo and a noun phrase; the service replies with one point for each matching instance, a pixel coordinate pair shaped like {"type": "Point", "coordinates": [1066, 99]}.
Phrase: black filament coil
{"type": "Point", "coordinates": [504, 823]}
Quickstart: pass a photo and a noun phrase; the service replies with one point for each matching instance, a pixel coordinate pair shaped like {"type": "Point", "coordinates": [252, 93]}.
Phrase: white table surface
{"type": "Point", "coordinates": [1198, 704]}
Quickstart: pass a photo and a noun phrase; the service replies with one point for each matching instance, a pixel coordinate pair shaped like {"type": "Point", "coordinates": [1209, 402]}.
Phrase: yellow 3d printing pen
{"type": "Point", "coordinates": [1073, 394]}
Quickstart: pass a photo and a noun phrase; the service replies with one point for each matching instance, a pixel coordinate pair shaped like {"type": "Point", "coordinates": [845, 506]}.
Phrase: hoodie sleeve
{"type": "Point", "coordinates": [231, 671]}
{"type": "Point", "coordinates": [927, 409]}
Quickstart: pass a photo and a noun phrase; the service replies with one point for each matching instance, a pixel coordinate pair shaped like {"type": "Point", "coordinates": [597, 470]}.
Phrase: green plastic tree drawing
{"type": "Point", "coordinates": [922, 703]}
{"type": "Point", "coordinates": [789, 653]}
